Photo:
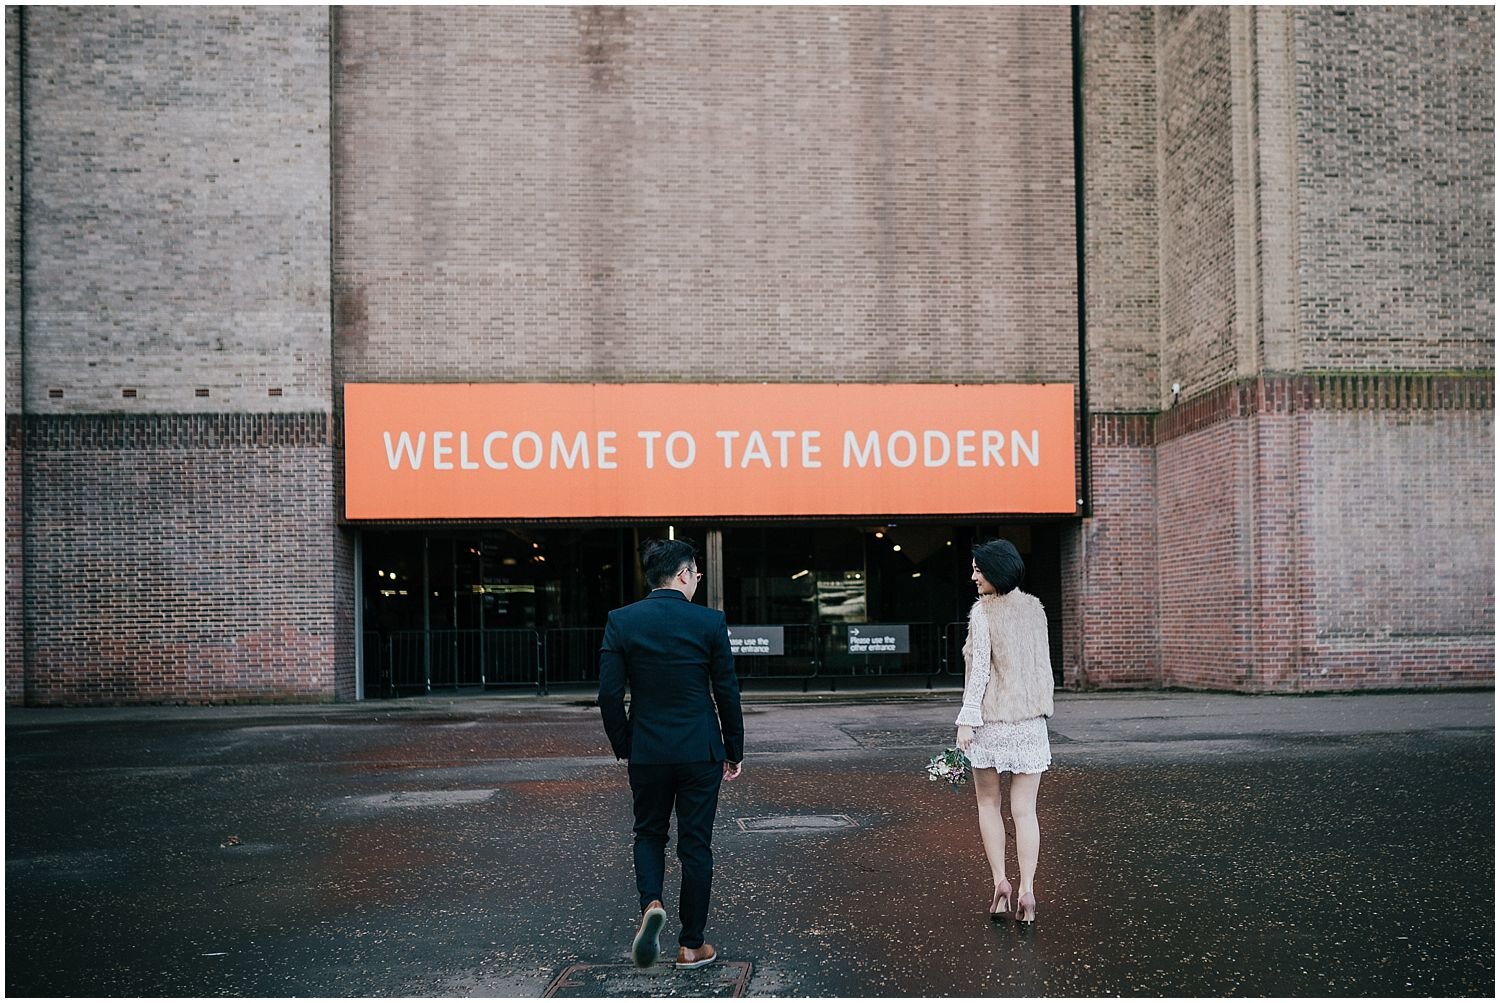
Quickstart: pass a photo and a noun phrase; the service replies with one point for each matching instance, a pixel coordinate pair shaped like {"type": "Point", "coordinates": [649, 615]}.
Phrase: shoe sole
{"type": "Point", "coordinates": [646, 947]}
{"type": "Point", "coordinates": [697, 964]}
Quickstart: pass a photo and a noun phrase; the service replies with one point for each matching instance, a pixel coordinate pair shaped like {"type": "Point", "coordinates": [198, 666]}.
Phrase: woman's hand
{"type": "Point", "coordinates": [965, 736]}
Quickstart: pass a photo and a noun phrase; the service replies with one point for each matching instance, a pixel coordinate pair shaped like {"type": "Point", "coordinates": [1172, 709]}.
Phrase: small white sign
{"type": "Point", "coordinates": [767, 640]}
{"type": "Point", "coordinates": [879, 638]}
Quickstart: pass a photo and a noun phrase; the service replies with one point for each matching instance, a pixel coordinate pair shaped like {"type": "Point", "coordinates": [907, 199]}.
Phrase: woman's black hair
{"type": "Point", "coordinates": [662, 559]}
{"type": "Point", "coordinates": [1000, 563]}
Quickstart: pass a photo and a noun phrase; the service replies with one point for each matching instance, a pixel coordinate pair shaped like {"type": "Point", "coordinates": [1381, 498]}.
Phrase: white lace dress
{"type": "Point", "coordinates": [1013, 746]}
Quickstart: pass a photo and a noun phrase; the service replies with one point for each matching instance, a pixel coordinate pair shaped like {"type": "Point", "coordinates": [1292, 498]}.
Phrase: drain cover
{"type": "Point", "coordinates": [797, 823]}
{"type": "Point", "coordinates": [723, 980]}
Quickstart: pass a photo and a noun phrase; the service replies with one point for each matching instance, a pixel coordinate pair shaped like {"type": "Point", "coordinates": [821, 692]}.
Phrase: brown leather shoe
{"type": "Point", "coordinates": [646, 947]}
{"type": "Point", "coordinates": [696, 957]}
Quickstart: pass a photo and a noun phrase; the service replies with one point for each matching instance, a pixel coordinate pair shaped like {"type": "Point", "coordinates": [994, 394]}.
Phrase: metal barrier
{"type": "Point", "coordinates": [923, 657]}
{"type": "Point", "coordinates": [377, 665]}
{"type": "Point", "coordinates": [954, 636]}
{"type": "Point", "coordinates": [800, 662]}
{"type": "Point", "coordinates": [446, 658]}
{"type": "Point", "coordinates": [571, 655]}
{"type": "Point", "coordinates": [416, 661]}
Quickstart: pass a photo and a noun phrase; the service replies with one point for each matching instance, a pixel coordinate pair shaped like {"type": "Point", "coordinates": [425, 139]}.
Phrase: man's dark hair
{"type": "Point", "coordinates": [662, 559]}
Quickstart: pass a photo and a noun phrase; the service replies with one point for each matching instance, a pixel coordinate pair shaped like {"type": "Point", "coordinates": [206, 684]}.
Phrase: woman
{"type": "Point", "coordinates": [1003, 725]}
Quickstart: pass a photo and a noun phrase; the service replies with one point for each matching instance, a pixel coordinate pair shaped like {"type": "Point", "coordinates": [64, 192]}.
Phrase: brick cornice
{"type": "Point", "coordinates": [1295, 394]}
{"type": "Point", "coordinates": [52, 433]}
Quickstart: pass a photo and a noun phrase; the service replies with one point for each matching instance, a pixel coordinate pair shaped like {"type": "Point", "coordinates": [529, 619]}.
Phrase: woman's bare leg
{"type": "Point", "coordinates": [1023, 787]}
{"type": "Point", "coordinates": [991, 822]}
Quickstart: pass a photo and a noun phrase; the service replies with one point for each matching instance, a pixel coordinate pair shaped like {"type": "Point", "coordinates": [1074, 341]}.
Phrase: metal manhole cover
{"type": "Point", "coordinates": [723, 980]}
{"type": "Point", "coordinates": [797, 823]}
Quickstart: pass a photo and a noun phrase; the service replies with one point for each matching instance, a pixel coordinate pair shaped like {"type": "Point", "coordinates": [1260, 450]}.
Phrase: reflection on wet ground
{"type": "Point", "coordinates": [486, 854]}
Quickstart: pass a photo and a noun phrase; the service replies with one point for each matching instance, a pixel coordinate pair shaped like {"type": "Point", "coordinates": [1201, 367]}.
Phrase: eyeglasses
{"type": "Point", "coordinates": [692, 571]}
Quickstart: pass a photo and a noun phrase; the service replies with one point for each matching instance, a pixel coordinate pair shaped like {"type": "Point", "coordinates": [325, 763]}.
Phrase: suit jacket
{"type": "Point", "coordinates": [684, 697]}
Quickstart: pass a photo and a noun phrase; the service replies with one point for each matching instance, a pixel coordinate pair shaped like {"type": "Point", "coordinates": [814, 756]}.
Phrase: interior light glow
{"type": "Point", "coordinates": [896, 548]}
{"type": "Point", "coordinates": [799, 574]}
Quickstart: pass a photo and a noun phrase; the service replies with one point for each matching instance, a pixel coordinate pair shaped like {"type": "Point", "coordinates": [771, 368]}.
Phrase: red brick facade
{"type": "Point", "coordinates": [218, 218]}
{"type": "Point", "coordinates": [1256, 540]}
{"type": "Point", "coordinates": [182, 558]}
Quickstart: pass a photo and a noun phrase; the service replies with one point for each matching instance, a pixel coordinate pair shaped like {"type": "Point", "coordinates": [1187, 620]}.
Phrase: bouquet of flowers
{"type": "Point", "coordinates": [950, 765]}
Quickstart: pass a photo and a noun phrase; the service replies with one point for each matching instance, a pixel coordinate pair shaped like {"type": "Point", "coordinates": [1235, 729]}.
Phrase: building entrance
{"type": "Point", "coordinates": [494, 606]}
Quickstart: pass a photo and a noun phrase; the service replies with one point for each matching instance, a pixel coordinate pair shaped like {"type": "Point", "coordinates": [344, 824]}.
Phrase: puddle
{"type": "Point", "coordinates": [421, 799]}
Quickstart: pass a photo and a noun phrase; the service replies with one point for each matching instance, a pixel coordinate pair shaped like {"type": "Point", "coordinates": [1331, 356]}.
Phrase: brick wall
{"type": "Point", "coordinates": [1276, 199]}
{"type": "Point", "coordinates": [1325, 203]}
{"type": "Point", "coordinates": [1204, 540]}
{"type": "Point", "coordinates": [13, 19]}
{"type": "Point", "coordinates": [1328, 533]}
{"type": "Point", "coordinates": [1396, 176]}
{"type": "Point", "coordinates": [1122, 230]}
{"type": "Point", "coordinates": [1195, 138]}
{"type": "Point", "coordinates": [715, 194]}
{"type": "Point", "coordinates": [1116, 613]}
{"type": "Point", "coordinates": [1110, 574]}
{"type": "Point", "coordinates": [177, 558]}
{"type": "Point", "coordinates": [176, 165]}
{"type": "Point", "coordinates": [15, 576]}
{"type": "Point", "coordinates": [15, 566]}
{"type": "Point", "coordinates": [1401, 559]}
{"type": "Point", "coordinates": [179, 540]}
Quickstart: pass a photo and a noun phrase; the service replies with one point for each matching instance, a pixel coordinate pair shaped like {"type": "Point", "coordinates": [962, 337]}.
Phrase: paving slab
{"type": "Point", "coordinates": [1196, 844]}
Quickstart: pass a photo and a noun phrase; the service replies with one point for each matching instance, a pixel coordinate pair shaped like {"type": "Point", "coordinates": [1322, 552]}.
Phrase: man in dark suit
{"type": "Point", "coordinates": [682, 737]}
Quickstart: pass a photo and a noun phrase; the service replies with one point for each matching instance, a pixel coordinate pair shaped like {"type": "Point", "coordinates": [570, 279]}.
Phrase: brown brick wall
{"type": "Point", "coordinates": [712, 194]}
{"type": "Point", "coordinates": [1290, 213]}
{"type": "Point", "coordinates": [176, 231]}
{"type": "Point", "coordinates": [1122, 225]}
{"type": "Point", "coordinates": [177, 209]}
{"type": "Point", "coordinates": [1204, 539]}
{"type": "Point", "coordinates": [13, 19]}
{"type": "Point", "coordinates": [15, 567]}
{"type": "Point", "coordinates": [15, 575]}
{"type": "Point", "coordinates": [1326, 207]}
{"type": "Point", "coordinates": [1396, 177]}
{"type": "Point", "coordinates": [1115, 611]}
{"type": "Point", "coordinates": [1401, 560]}
{"type": "Point", "coordinates": [1327, 533]}
{"type": "Point", "coordinates": [1195, 133]}
{"type": "Point", "coordinates": [182, 558]}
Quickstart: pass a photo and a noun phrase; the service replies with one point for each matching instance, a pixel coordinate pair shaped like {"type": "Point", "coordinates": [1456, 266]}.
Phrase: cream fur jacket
{"type": "Point", "coordinates": [1020, 663]}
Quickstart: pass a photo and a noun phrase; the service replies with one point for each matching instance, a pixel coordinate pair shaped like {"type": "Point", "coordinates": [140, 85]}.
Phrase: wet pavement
{"type": "Point", "coordinates": [1192, 844]}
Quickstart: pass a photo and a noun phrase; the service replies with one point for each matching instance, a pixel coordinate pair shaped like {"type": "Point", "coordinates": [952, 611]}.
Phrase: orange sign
{"type": "Point", "coordinates": [554, 450]}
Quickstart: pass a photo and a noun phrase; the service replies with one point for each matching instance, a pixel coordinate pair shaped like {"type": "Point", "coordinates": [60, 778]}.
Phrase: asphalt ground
{"type": "Point", "coordinates": [1191, 844]}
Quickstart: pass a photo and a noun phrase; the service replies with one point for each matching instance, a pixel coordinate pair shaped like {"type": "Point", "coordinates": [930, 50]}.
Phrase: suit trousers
{"type": "Point", "coordinates": [693, 790]}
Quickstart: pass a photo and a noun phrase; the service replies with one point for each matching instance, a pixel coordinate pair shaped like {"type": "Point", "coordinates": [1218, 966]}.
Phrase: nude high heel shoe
{"type": "Point", "coordinates": [1026, 909]}
{"type": "Point", "coordinates": [1000, 904]}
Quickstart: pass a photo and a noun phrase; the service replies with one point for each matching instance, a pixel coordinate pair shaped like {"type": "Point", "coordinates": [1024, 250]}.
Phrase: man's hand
{"type": "Point", "coordinates": [965, 736]}
{"type": "Point", "coordinates": [732, 770]}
